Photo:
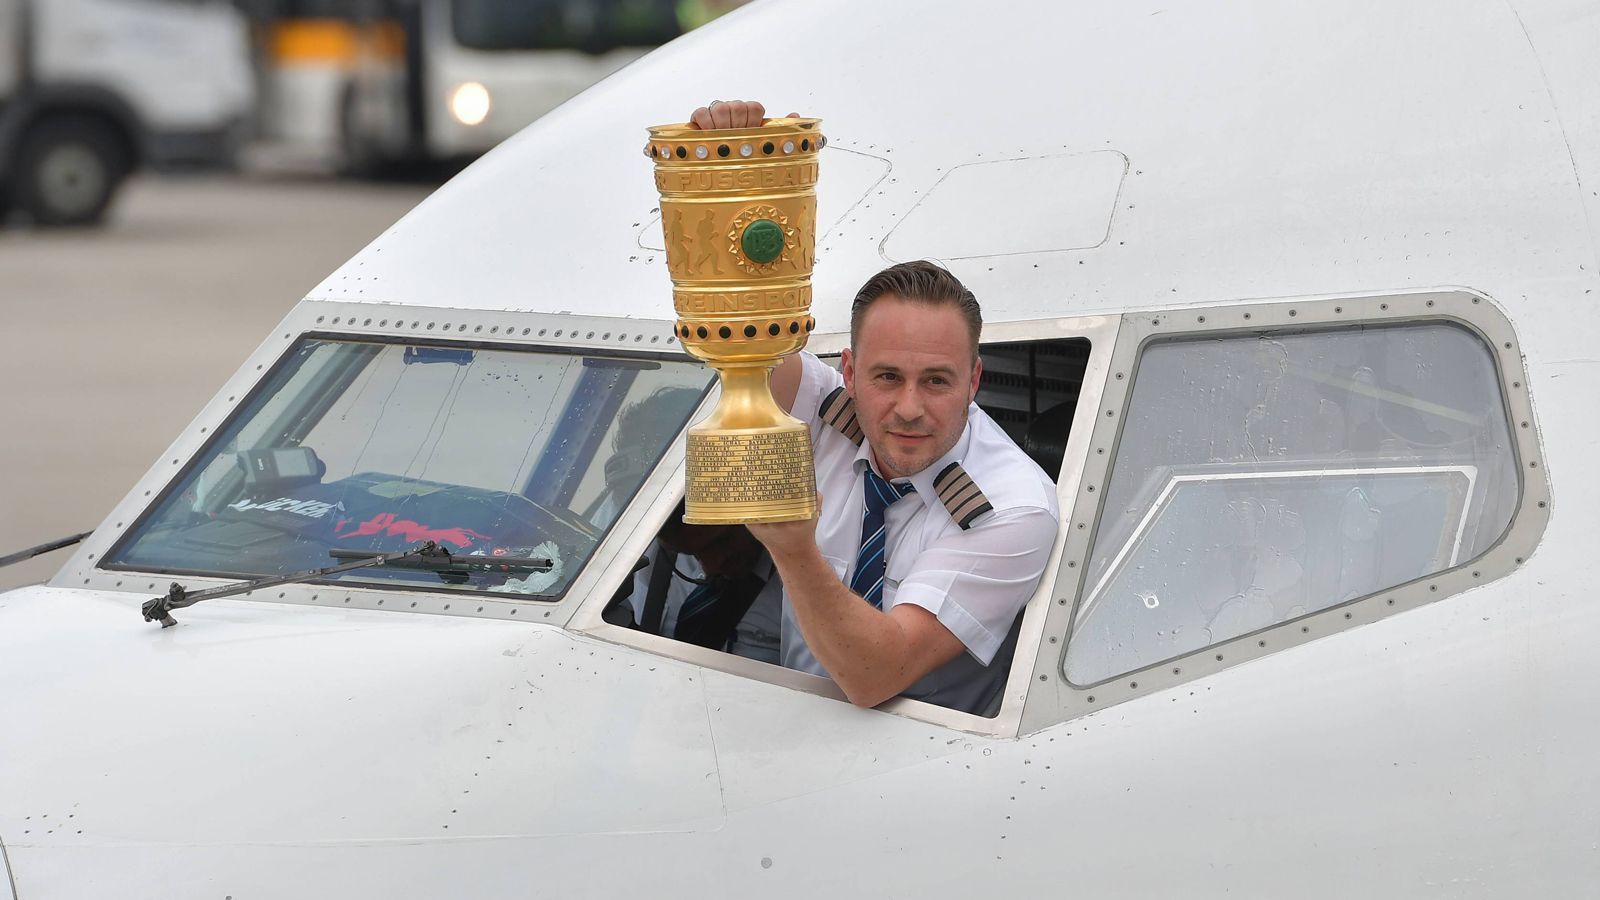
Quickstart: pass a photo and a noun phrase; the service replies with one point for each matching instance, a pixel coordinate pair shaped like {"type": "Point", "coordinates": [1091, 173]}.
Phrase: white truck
{"type": "Point", "coordinates": [90, 90]}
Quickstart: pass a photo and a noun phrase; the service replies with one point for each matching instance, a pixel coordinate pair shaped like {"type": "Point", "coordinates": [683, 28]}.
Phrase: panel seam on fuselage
{"type": "Point", "coordinates": [716, 758]}
{"type": "Point", "coordinates": [5, 863]}
{"type": "Point", "coordinates": [1561, 128]}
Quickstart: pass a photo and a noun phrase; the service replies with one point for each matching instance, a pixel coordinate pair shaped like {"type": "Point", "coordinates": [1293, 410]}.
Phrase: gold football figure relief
{"type": "Point", "coordinates": [677, 241]}
{"type": "Point", "coordinates": [705, 245]}
{"type": "Point", "coordinates": [738, 212]}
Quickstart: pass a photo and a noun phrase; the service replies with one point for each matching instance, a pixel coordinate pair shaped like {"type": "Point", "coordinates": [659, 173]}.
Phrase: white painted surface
{"type": "Point", "coordinates": [180, 66]}
{"type": "Point", "coordinates": [1045, 204]}
{"type": "Point", "coordinates": [1274, 150]}
{"type": "Point", "coordinates": [274, 724]}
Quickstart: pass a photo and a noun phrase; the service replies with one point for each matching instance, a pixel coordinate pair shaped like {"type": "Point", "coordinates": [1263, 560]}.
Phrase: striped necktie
{"type": "Point", "coordinates": [878, 494]}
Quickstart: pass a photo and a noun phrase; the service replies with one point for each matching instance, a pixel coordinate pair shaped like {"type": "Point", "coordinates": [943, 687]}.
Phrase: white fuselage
{"type": "Point", "coordinates": [1304, 164]}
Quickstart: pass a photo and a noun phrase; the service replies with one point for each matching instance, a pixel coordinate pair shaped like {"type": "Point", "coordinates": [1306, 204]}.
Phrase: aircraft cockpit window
{"type": "Point", "coordinates": [715, 587]}
{"type": "Point", "coordinates": [1261, 478]}
{"type": "Point", "coordinates": [1031, 390]}
{"type": "Point", "coordinates": [375, 446]}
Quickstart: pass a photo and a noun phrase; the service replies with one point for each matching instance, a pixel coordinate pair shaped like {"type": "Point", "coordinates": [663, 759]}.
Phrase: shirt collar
{"type": "Point", "coordinates": [923, 480]}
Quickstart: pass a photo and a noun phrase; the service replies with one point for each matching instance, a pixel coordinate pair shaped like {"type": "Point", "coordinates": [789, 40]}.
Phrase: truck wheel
{"type": "Point", "coordinates": [68, 170]}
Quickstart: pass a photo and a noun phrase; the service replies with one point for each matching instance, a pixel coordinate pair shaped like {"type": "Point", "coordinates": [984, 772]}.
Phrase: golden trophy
{"type": "Point", "coordinates": [739, 213]}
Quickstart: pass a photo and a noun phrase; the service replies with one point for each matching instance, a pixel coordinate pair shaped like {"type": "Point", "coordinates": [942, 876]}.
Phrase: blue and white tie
{"type": "Point", "coordinates": [878, 494]}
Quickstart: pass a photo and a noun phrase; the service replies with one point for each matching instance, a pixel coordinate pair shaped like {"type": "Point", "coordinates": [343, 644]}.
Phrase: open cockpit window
{"type": "Point", "coordinates": [1261, 478]}
{"type": "Point", "coordinates": [375, 446]}
{"type": "Point", "coordinates": [1031, 390]}
{"type": "Point", "coordinates": [715, 587]}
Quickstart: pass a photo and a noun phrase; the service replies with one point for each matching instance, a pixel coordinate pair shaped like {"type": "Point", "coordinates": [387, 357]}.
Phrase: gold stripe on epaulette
{"type": "Point", "coordinates": [838, 411]}
{"type": "Point", "coordinates": [960, 495]}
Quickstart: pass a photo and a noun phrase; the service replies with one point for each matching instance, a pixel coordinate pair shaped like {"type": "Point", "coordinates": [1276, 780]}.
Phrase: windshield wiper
{"type": "Point", "coordinates": [42, 549]}
{"type": "Point", "coordinates": [426, 555]}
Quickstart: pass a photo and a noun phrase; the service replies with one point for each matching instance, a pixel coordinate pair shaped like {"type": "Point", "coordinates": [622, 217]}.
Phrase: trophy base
{"type": "Point", "coordinates": [750, 475]}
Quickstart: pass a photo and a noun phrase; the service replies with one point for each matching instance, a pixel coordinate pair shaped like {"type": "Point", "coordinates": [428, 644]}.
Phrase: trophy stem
{"type": "Point", "coordinates": [749, 461]}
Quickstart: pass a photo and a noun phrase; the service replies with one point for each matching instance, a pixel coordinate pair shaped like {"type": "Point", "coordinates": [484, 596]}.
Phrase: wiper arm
{"type": "Point", "coordinates": [42, 549]}
{"type": "Point", "coordinates": [426, 555]}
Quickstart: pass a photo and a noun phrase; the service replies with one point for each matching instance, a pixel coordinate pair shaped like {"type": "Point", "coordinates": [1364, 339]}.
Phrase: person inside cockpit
{"type": "Point", "coordinates": [710, 585]}
{"type": "Point", "coordinates": [636, 444]}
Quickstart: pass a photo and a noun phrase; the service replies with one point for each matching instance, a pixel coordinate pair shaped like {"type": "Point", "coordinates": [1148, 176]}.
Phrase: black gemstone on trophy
{"type": "Point", "coordinates": [683, 152]}
{"type": "Point", "coordinates": [702, 332]}
{"type": "Point", "coordinates": [726, 332]}
{"type": "Point", "coordinates": [749, 331]}
{"type": "Point", "coordinates": [685, 331]}
{"type": "Point", "coordinates": [810, 324]}
{"type": "Point", "coordinates": [805, 143]}
{"type": "Point", "coordinates": [767, 148]}
{"type": "Point", "coordinates": [794, 327]}
{"type": "Point", "coordinates": [774, 329]}
{"type": "Point", "coordinates": [722, 150]}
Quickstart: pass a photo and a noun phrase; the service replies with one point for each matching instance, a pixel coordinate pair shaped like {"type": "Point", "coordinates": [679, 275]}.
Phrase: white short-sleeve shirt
{"type": "Point", "coordinates": [974, 579]}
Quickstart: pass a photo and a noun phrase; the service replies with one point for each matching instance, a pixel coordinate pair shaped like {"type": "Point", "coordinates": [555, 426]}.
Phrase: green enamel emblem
{"type": "Point", "coordinates": [762, 241]}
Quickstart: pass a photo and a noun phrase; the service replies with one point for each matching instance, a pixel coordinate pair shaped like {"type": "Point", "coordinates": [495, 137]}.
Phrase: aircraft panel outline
{"type": "Point", "coordinates": [1462, 306]}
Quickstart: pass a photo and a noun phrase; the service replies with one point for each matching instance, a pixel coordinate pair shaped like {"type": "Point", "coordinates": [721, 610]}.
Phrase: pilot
{"type": "Point", "coordinates": [643, 429]}
{"type": "Point", "coordinates": [711, 585]}
{"type": "Point", "coordinates": [935, 527]}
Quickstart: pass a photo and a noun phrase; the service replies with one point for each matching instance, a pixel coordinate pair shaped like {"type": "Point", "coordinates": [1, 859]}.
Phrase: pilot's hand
{"type": "Point", "coordinates": [731, 114]}
{"type": "Point", "coordinates": [788, 539]}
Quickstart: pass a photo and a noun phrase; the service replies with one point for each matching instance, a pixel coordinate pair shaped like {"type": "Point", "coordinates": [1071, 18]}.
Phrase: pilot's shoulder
{"type": "Point", "coordinates": [994, 474]}
{"type": "Point", "coordinates": [838, 411]}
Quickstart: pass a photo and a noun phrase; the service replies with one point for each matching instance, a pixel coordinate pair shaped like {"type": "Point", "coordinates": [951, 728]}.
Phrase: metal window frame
{"type": "Point", "coordinates": [1102, 333]}
{"type": "Point", "coordinates": [1054, 699]}
{"type": "Point", "coordinates": [358, 321]}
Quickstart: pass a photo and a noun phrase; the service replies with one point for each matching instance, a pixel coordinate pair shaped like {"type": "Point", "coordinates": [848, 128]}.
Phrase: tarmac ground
{"type": "Point", "coordinates": [113, 338]}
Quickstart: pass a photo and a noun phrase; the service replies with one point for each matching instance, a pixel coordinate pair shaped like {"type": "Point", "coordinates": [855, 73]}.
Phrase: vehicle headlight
{"type": "Point", "coordinates": [469, 103]}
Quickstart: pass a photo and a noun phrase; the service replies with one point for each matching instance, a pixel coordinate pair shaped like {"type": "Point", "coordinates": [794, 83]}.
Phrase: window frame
{"type": "Point", "coordinates": [1055, 700]}
{"type": "Point", "coordinates": [558, 333]}
{"type": "Point", "coordinates": [1032, 643]}
{"type": "Point", "coordinates": [206, 454]}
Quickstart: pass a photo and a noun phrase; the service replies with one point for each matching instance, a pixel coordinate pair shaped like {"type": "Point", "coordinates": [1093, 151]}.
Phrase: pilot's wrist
{"type": "Point", "coordinates": [799, 555]}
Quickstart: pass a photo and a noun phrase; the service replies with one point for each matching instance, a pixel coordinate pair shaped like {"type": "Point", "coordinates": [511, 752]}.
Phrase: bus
{"type": "Point", "coordinates": [365, 84]}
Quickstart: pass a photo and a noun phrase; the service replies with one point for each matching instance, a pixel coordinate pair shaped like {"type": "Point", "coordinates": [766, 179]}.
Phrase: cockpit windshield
{"type": "Point", "coordinates": [376, 446]}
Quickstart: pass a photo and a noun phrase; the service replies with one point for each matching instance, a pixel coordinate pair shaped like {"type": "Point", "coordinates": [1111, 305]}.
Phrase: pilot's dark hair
{"type": "Point", "coordinates": [919, 281]}
{"type": "Point", "coordinates": [645, 426]}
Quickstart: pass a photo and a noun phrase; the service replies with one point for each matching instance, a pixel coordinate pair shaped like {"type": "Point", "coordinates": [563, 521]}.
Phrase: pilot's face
{"type": "Point", "coordinates": [912, 373]}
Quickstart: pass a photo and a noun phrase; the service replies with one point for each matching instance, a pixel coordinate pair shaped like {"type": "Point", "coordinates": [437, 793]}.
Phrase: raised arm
{"type": "Point", "coordinates": [786, 381]}
{"type": "Point", "coordinates": [748, 114]}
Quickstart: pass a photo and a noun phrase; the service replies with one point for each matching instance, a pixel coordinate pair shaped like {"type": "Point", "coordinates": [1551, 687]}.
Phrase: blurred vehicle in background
{"type": "Point", "coordinates": [92, 89]}
{"type": "Point", "coordinates": [367, 83]}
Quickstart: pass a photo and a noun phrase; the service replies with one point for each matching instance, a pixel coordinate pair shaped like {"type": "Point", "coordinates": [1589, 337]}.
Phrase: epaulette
{"type": "Point", "coordinates": [960, 495]}
{"type": "Point", "coordinates": [838, 411]}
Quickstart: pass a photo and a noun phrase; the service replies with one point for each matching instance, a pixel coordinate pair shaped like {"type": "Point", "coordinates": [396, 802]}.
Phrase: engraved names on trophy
{"type": "Point", "coordinates": [751, 468]}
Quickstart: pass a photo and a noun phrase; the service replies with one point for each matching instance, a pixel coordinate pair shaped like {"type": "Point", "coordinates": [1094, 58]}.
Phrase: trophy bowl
{"type": "Point", "coordinates": [738, 214]}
